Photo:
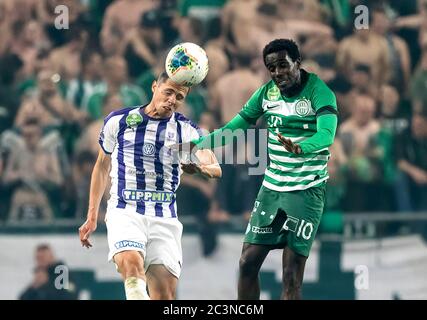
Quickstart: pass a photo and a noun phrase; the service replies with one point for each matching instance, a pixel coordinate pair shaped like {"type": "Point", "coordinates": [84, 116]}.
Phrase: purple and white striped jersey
{"type": "Point", "coordinates": [145, 172]}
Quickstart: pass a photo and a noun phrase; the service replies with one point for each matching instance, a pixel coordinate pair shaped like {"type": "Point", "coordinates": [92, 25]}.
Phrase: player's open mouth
{"type": "Point", "coordinates": [167, 108]}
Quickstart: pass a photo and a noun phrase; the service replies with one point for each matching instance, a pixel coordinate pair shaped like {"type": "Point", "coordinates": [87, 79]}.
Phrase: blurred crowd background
{"type": "Point", "coordinates": [56, 85]}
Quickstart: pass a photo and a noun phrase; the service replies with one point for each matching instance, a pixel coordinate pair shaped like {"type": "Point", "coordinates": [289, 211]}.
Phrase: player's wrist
{"type": "Point", "coordinates": [92, 217]}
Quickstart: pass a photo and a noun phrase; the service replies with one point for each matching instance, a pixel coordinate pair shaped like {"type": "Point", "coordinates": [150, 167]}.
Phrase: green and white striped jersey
{"type": "Point", "coordinates": [294, 118]}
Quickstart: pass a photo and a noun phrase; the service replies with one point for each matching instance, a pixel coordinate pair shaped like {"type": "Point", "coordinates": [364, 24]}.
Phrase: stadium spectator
{"type": "Point", "coordinates": [116, 81]}
{"type": "Point", "coordinates": [358, 137]}
{"type": "Point", "coordinates": [33, 170]}
{"type": "Point", "coordinates": [368, 48]}
{"type": "Point", "coordinates": [398, 52]}
{"type": "Point", "coordinates": [43, 285]}
{"type": "Point", "coordinates": [411, 154]}
{"type": "Point", "coordinates": [233, 89]}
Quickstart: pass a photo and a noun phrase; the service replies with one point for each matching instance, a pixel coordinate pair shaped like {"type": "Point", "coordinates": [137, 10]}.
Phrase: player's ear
{"type": "Point", "coordinates": [154, 86]}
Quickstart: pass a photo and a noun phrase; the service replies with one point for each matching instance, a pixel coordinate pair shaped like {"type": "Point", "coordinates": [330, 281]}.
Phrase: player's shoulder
{"type": "Point", "coordinates": [179, 117]}
{"type": "Point", "coordinates": [189, 124]}
{"type": "Point", "coordinates": [119, 113]}
{"type": "Point", "coordinates": [316, 83]}
{"type": "Point", "coordinates": [265, 89]}
{"type": "Point", "coordinates": [267, 85]}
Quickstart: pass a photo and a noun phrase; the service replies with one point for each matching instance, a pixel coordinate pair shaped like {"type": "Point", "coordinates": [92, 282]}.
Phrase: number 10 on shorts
{"type": "Point", "coordinates": [305, 228]}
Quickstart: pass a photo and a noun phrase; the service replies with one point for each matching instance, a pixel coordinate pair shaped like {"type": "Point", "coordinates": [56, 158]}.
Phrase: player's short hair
{"type": "Point", "coordinates": [163, 77]}
{"type": "Point", "coordinates": [287, 45]}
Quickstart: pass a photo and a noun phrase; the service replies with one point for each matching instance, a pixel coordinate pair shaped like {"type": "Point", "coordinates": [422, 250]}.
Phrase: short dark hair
{"type": "Point", "coordinates": [287, 45]}
{"type": "Point", "coordinates": [163, 77]}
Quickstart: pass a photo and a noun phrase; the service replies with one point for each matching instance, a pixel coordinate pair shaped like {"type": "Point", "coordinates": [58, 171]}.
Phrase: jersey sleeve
{"type": "Point", "coordinates": [190, 131]}
{"type": "Point", "coordinates": [323, 97]}
{"type": "Point", "coordinates": [252, 109]}
{"type": "Point", "coordinates": [108, 134]}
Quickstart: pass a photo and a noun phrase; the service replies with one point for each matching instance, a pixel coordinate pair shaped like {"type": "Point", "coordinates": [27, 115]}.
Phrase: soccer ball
{"type": "Point", "coordinates": [187, 64]}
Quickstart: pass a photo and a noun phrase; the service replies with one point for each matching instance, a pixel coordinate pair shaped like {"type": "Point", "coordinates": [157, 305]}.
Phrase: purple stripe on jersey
{"type": "Point", "coordinates": [139, 163]}
{"type": "Point", "coordinates": [121, 184]}
{"type": "Point", "coordinates": [180, 117]}
{"type": "Point", "coordinates": [117, 113]}
{"type": "Point", "coordinates": [175, 172]}
{"type": "Point", "coordinates": [158, 165]}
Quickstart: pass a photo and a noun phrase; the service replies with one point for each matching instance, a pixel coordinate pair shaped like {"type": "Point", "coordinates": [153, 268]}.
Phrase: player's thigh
{"type": "Point", "coordinates": [265, 224]}
{"type": "Point", "coordinates": [253, 255]}
{"type": "Point", "coordinates": [303, 211]}
{"type": "Point", "coordinates": [293, 265]}
{"type": "Point", "coordinates": [126, 232]}
{"type": "Point", "coordinates": [164, 247]}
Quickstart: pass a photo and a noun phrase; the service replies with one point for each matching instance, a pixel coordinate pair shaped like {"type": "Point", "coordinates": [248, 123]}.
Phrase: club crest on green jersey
{"type": "Point", "coordinates": [133, 120]}
{"type": "Point", "coordinates": [302, 107]}
{"type": "Point", "coordinates": [273, 94]}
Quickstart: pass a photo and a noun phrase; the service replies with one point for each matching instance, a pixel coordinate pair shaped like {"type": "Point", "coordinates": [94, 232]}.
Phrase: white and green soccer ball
{"type": "Point", "coordinates": [187, 64]}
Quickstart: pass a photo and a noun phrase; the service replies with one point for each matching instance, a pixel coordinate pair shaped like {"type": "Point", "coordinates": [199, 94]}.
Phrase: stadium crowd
{"type": "Point", "coordinates": [57, 85]}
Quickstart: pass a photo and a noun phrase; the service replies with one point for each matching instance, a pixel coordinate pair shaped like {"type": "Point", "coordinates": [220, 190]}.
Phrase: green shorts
{"type": "Point", "coordinates": [287, 219]}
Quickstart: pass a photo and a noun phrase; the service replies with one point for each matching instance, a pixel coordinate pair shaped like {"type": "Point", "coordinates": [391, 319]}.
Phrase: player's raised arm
{"type": "Point", "coordinates": [248, 116]}
{"type": "Point", "coordinates": [99, 180]}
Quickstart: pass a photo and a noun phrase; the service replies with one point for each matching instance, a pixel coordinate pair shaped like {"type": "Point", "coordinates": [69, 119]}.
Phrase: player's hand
{"type": "Point", "coordinates": [289, 145]}
{"type": "Point", "coordinates": [84, 232]}
{"type": "Point", "coordinates": [191, 168]}
{"type": "Point", "coordinates": [419, 176]}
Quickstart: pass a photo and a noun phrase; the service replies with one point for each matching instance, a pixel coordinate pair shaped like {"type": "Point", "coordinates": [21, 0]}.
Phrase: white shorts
{"type": "Point", "coordinates": [157, 239]}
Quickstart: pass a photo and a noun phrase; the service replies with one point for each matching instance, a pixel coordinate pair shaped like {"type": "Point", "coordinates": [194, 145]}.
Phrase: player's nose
{"type": "Point", "coordinates": [172, 99]}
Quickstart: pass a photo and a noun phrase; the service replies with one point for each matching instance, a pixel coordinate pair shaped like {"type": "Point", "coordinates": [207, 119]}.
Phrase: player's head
{"type": "Point", "coordinates": [44, 255]}
{"type": "Point", "coordinates": [167, 95]}
{"type": "Point", "coordinates": [283, 60]}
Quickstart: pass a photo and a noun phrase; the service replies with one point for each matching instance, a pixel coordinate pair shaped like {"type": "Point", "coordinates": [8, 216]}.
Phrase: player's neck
{"type": "Point", "coordinates": [151, 111]}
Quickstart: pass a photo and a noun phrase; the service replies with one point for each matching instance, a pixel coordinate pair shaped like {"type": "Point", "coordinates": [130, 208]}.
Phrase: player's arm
{"type": "Point", "coordinates": [323, 138]}
{"type": "Point", "coordinates": [222, 136]}
{"type": "Point", "coordinates": [325, 104]}
{"type": "Point", "coordinates": [207, 165]}
{"type": "Point", "coordinates": [98, 183]}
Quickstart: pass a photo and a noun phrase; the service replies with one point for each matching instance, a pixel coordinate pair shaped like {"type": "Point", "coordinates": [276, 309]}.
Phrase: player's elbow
{"type": "Point", "coordinates": [219, 172]}
{"type": "Point", "coordinates": [216, 172]}
{"type": "Point", "coordinates": [328, 137]}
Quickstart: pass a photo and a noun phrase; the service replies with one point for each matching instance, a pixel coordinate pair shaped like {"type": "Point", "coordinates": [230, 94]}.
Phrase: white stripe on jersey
{"type": "Point", "coordinates": [285, 159]}
{"type": "Point", "coordinates": [297, 170]}
{"type": "Point", "coordinates": [293, 188]}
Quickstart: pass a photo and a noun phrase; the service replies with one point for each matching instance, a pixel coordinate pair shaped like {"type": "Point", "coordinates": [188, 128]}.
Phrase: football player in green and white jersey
{"type": "Point", "coordinates": [301, 113]}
